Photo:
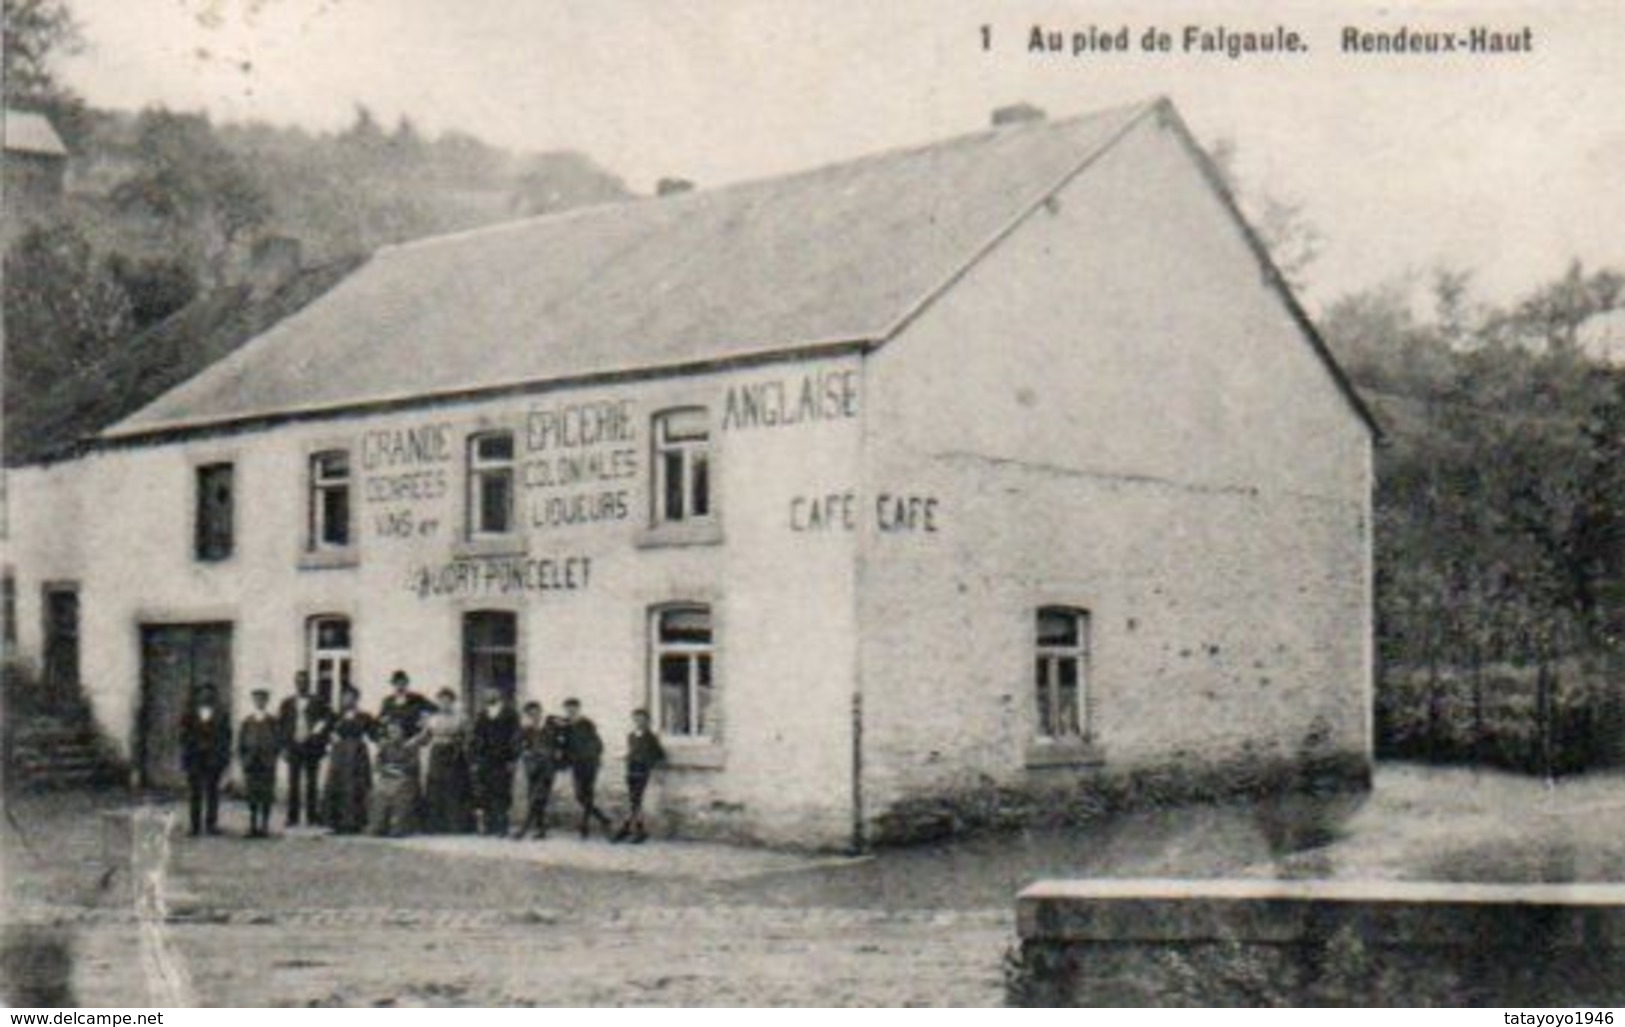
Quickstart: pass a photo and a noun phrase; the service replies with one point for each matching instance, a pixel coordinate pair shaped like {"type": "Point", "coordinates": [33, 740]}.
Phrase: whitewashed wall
{"type": "Point", "coordinates": [783, 600]}
{"type": "Point", "coordinates": [1114, 411]}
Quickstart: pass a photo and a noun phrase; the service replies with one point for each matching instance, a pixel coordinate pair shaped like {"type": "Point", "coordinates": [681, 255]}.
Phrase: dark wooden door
{"type": "Point", "coordinates": [176, 659]}
{"type": "Point", "coordinates": [61, 677]}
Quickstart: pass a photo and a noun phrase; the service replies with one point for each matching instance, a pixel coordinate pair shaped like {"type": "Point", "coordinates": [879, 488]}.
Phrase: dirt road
{"type": "Point", "coordinates": [307, 918]}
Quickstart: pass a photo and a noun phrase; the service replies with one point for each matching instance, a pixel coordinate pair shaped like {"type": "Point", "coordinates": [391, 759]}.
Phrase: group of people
{"type": "Point", "coordinates": [415, 765]}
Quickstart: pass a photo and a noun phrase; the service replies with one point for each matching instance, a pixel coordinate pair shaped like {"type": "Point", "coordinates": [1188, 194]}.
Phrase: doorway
{"type": "Point", "coordinates": [176, 659]}
{"type": "Point", "coordinates": [490, 655]}
{"type": "Point", "coordinates": [61, 666]}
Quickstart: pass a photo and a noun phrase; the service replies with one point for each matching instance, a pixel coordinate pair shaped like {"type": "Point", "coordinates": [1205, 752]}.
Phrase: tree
{"type": "Point", "coordinates": [1384, 345]}
{"type": "Point", "coordinates": [64, 310]}
{"type": "Point", "coordinates": [1551, 317]}
{"type": "Point", "coordinates": [1287, 233]}
{"type": "Point", "coordinates": [1500, 532]}
{"type": "Point", "coordinates": [1454, 311]}
{"type": "Point", "coordinates": [36, 33]}
{"type": "Point", "coordinates": [365, 139]}
{"type": "Point", "coordinates": [156, 286]}
{"type": "Point", "coordinates": [197, 193]}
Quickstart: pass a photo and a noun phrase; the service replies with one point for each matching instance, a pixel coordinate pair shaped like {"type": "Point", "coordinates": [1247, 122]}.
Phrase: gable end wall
{"type": "Point", "coordinates": [1114, 410]}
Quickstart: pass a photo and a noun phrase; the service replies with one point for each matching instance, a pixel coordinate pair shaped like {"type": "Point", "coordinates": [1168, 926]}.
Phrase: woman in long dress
{"type": "Point", "coordinates": [349, 766]}
{"type": "Point", "coordinates": [448, 792]}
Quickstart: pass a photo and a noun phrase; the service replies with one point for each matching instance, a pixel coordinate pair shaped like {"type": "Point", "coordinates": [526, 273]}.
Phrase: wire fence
{"type": "Point", "coordinates": [1550, 715]}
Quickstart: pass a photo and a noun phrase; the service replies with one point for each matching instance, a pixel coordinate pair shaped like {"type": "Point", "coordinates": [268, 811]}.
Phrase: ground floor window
{"type": "Point", "coordinates": [490, 653]}
{"type": "Point", "coordinates": [1062, 672]}
{"type": "Point", "coordinates": [329, 656]}
{"type": "Point", "coordinates": [682, 649]}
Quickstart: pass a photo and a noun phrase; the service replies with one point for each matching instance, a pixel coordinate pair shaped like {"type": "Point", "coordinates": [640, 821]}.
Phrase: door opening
{"type": "Point", "coordinates": [61, 671]}
{"type": "Point", "coordinates": [176, 660]}
{"type": "Point", "coordinates": [490, 655]}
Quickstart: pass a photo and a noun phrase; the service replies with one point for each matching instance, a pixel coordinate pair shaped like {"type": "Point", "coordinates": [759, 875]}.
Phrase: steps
{"type": "Point", "coordinates": [50, 751]}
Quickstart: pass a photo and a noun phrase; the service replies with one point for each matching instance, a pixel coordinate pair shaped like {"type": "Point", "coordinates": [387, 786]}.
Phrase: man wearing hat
{"type": "Point", "coordinates": [205, 754]}
{"type": "Point", "coordinates": [403, 705]}
{"type": "Point", "coordinates": [259, 740]}
{"type": "Point", "coordinates": [493, 747]}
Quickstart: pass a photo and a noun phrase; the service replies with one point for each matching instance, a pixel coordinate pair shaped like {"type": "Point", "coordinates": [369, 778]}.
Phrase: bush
{"type": "Point", "coordinates": [1494, 718]}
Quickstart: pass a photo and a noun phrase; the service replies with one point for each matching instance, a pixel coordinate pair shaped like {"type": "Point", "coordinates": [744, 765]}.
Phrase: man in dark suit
{"type": "Point", "coordinates": [585, 751]}
{"type": "Point", "coordinates": [493, 747]}
{"type": "Point", "coordinates": [205, 755]}
{"type": "Point", "coordinates": [302, 722]}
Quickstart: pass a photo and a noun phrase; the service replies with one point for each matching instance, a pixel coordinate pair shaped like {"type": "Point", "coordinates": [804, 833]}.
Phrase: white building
{"type": "Point", "coordinates": [1004, 464]}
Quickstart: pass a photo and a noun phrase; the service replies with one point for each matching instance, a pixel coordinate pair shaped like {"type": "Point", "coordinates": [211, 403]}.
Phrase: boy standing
{"type": "Point", "coordinates": [258, 743]}
{"type": "Point", "coordinates": [585, 751]}
{"type": "Point", "coordinates": [542, 742]}
{"type": "Point", "coordinates": [643, 754]}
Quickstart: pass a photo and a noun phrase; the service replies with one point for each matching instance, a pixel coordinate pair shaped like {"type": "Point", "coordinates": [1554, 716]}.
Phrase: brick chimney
{"type": "Point", "coordinates": [1016, 114]}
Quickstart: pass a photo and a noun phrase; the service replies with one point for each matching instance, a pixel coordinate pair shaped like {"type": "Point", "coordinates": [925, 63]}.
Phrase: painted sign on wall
{"type": "Point", "coordinates": [894, 514]}
{"type": "Point", "coordinates": [479, 577]}
{"type": "Point", "coordinates": [403, 470]}
{"type": "Point", "coordinates": [580, 457]}
{"type": "Point", "coordinates": [810, 398]}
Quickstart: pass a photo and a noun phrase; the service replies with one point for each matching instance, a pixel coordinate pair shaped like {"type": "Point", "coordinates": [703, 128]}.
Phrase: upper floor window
{"type": "Point", "coordinates": [212, 535]}
{"type": "Point", "coordinates": [1062, 672]}
{"type": "Point", "coordinates": [682, 466]}
{"type": "Point", "coordinates": [490, 483]}
{"type": "Point", "coordinates": [682, 650]}
{"type": "Point", "coordinates": [330, 500]}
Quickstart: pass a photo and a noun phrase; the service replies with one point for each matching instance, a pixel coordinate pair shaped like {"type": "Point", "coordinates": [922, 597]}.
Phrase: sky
{"type": "Point", "coordinates": [1509, 165]}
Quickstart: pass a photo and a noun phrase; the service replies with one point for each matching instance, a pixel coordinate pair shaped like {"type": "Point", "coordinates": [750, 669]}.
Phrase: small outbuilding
{"type": "Point", "coordinates": [35, 164]}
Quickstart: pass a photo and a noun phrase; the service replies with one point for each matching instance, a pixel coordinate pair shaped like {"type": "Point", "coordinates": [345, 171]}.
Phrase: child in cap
{"type": "Point", "coordinates": [643, 754]}
{"type": "Point", "coordinates": [259, 741]}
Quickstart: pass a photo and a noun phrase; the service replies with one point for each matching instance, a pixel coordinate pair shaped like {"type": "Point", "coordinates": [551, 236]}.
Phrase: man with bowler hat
{"type": "Point", "coordinates": [205, 755]}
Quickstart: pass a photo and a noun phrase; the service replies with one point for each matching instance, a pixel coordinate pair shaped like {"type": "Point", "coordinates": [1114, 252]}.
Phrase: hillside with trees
{"type": "Point", "coordinates": [163, 209]}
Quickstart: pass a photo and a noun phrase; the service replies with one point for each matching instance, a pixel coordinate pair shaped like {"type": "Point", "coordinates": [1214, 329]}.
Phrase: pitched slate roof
{"type": "Point", "coordinates": [838, 255]}
{"type": "Point", "coordinates": [27, 132]}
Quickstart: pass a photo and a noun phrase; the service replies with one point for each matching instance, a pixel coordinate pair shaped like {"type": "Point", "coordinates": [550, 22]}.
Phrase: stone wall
{"type": "Point", "coordinates": [1318, 943]}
